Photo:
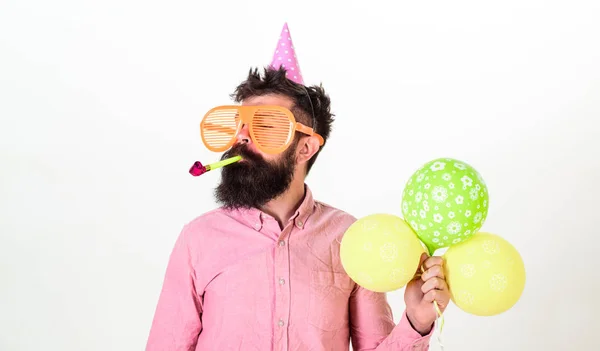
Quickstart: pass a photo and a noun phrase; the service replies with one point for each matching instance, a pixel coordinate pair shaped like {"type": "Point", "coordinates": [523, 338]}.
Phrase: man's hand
{"type": "Point", "coordinates": [428, 285]}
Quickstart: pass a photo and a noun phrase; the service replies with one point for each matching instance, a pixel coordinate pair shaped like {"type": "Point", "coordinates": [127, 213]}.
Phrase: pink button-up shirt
{"type": "Point", "coordinates": [236, 281]}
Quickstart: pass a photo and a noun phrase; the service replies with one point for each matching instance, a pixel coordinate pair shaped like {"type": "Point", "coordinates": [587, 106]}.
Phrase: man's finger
{"type": "Point", "coordinates": [435, 271]}
{"type": "Point", "coordinates": [420, 269]}
{"type": "Point", "coordinates": [431, 295]}
{"type": "Point", "coordinates": [432, 261]}
{"type": "Point", "coordinates": [423, 258]}
{"type": "Point", "coordinates": [434, 284]}
{"type": "Point", "coordinates": [441, 296]}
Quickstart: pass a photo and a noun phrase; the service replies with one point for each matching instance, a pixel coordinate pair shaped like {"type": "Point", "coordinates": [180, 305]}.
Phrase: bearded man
{"type": "Point", "coordinates": [263, 270]}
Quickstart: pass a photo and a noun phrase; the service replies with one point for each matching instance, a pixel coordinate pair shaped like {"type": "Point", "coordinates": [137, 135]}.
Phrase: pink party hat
{"type": "Point", "coordinates": [285, 56]}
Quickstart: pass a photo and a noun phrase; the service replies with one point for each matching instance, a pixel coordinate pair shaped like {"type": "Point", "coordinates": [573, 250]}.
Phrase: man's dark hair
{"type": "Point", "coordinates": [306, 100]}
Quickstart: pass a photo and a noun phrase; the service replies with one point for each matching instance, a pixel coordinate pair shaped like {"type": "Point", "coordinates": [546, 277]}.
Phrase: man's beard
{"type": "Point", "coordinates": [254, 182]}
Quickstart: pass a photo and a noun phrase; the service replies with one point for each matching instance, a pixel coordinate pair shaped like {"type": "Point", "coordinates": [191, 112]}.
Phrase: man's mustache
{"type": "Point", "coordinates": [243, 151]}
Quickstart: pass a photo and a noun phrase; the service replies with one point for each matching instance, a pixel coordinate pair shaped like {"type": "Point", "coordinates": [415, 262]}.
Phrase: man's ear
{"type": "Point", "coordinates": [307, 147]}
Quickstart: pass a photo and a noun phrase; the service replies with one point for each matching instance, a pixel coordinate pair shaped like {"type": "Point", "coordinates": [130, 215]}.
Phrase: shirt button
{"type": "Point", "coordinates": [257, 226]}
{"type": "Point", "coordinates": [280, 323]}
{"type": "Point", "coordinates": [281, 281]}
{"type": "Point", "coordinates": [300, 224]}
{"type": "Point", "coordinates": [282, 243]}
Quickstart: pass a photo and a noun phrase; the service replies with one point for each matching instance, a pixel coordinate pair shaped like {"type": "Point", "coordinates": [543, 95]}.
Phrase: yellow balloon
{"type": "Point", "coordinates": [381, 252]}
{"type": "Point", "coordinates": [485, 274]}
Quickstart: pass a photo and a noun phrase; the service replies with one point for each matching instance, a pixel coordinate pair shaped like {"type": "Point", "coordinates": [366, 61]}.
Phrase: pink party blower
{"type": "Point", "coordinates": [198, 169]}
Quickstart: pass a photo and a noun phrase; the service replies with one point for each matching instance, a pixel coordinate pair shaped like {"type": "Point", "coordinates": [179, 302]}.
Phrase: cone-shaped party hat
{"type": "Point", "coordinates": [285, 56]}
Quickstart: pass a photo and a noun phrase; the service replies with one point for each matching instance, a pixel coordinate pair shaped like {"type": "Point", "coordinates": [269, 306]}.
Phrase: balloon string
{"type": "Point", "coordinates": [441, 318]}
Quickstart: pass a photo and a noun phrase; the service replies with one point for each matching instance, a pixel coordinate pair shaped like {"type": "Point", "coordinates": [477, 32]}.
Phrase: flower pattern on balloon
{"type": "Point", "coordinates": [473, 194]}
{"type": "Point", "coordinates": [453, 227]}
{"type": "Point", "coordinates": [465, 297]}
{"type": "Point", "coordinates": [467, 270]}
{"type": "Point", "coordinates": [388, 252]}
{"type": "Point", "coordinates": [437, 166]}
{"type": "Point", "coordinates": [439, 194]}
{"type": "Point", "coordinates": [460, 166]}
{"type": "Point", "coordinates": [490, 247]}
{"type": "Point", "coordinates": [419, 197]}
{"type": "Point", "coordinates": [397, 274]}
{"type": "Point", "coordinates": [467, 181]}
{"type": "Point", "coordinates": [369, 225]}
{"type": "Point", "coordinates": [498, 282]}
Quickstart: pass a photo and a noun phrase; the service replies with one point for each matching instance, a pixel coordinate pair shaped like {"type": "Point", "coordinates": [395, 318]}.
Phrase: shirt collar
{"type": "Point", "coordinates": [256, 217]}
{"type": "Point", "coordinates": [306, 208]}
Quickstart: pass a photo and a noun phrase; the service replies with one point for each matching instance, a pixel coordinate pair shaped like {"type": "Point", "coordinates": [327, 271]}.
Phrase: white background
{"type": "Point", "coordinates": [100, 104]}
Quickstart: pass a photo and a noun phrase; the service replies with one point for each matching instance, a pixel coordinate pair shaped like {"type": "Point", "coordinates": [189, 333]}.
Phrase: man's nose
{"type": "Point", "coordinates": [244, 135]}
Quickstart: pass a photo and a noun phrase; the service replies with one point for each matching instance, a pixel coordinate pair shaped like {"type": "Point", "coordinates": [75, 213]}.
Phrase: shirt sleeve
{"type": "Point", "coordinates": [177, 319]}
{"type": "Point", "coordinates": [372, 326]}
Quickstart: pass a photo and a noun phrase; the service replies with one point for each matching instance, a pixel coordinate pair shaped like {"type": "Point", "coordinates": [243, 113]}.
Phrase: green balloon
{"type": "Point", "coordinates": [445, 202]}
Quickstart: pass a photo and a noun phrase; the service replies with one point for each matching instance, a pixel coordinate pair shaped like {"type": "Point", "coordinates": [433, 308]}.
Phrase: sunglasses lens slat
{"type": "Point", "coordinates": [218, 128]}
{"type": "Point", "coordinates": [272, 129]}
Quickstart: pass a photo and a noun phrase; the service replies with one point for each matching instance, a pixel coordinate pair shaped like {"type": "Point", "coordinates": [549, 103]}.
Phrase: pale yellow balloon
{"type": "Point", "coordinates": [485, 274]}
{"type": "Point", "coordinates": [381, 252]}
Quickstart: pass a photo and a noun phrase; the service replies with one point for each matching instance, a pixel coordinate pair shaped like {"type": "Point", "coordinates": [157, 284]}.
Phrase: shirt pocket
{"type": "Point", "coordinates": [328, 300]}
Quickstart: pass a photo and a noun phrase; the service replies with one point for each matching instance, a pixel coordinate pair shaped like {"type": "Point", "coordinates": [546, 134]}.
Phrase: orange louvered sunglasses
{"type": "Point", "coordinates": [272, 128]}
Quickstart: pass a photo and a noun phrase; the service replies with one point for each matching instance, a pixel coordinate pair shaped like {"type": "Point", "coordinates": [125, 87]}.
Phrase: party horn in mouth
{"type": "Point", "coordinates": [198, 169]}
